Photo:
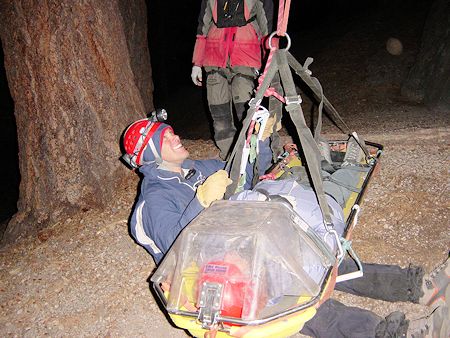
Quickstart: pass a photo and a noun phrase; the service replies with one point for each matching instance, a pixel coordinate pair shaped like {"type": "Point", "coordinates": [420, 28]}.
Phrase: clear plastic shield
{"type": "Point", "coordinates": [244, 259]}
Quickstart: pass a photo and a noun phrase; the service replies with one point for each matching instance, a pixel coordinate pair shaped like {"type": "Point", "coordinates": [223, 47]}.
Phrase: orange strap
{"type": "Point", "coordinates": [283, 16]}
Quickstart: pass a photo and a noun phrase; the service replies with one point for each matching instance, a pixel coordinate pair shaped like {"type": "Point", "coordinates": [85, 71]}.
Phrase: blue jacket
{"type": "Point", "coordinates": [167, 203]}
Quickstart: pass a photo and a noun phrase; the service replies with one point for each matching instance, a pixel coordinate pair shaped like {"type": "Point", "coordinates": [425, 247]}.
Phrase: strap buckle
{"type": "Point", "coordinates": [254, 102]}
{"type": "Point", "coordinates": [210, 302]}
{"type": "Point", "coordinates": [293, 99]}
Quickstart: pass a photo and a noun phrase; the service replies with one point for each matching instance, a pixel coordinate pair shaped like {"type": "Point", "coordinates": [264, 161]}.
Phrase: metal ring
{"type": "Point", "coordinates": [287, 37]}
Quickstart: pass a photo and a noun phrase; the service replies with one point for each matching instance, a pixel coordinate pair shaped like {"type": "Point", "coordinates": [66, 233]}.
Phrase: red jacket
{"type": "Point", "coordinates": [241, 46]}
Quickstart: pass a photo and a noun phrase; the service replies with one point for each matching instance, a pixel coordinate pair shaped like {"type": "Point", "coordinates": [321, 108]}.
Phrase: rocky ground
{"type": "Point", "coordinates": [86, 277]}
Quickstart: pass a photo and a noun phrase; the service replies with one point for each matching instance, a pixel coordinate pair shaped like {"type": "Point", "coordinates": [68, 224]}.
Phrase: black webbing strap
{"type": "Point", "coordinates": [309, 146]}
{"type": "Point", "coordinates": [234, 161]}
{"type": "Point", "coordinates": [218, 71]}
{"type": "Point", "coordinates": [276, 109]}
{"type": "Point", "coordinates": [314, 84]}
{"type": "Point", "coordinates": [311, 82]}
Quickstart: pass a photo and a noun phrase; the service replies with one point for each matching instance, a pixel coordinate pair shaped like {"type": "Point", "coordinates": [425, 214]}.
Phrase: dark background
{"type": "Point", "coordinates": [313, 25]}
{"type": "Point", "coordinates": [9, 168]}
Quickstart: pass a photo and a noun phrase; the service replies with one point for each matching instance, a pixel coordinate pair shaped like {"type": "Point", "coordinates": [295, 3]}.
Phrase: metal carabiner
{"type": "Point", "coordinates": [287, 37]}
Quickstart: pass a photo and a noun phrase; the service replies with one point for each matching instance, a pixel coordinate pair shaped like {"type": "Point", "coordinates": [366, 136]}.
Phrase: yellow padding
{"type": "Point", "coordinates": [283, 327]}
{"type": "Point", "coordinates": [280, 328]}
{"type": "Point", "coordinates": [294, 162]}
{"type": "Point", "coordinates": [190, 324]}
{"type": "Point", "coordinates": [190, 275]}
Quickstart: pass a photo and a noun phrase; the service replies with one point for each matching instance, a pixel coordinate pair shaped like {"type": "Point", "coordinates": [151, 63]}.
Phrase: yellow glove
{"type": "Point", "coordinates": [213, 188]}
{"type": "Point", "coordinates": [268, 130]}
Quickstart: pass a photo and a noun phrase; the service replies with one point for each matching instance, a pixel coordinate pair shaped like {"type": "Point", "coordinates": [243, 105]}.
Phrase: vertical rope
{"type": "Point", "coordinates": [268, 62]}
{"type": "Point", "coordinates": [280, 18]}
{"type": "Point", "coordinates": [283, 16]}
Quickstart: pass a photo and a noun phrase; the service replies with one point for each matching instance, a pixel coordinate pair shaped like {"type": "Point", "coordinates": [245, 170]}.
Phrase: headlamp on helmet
{"type": "Point", "coordinates": [158, 115]}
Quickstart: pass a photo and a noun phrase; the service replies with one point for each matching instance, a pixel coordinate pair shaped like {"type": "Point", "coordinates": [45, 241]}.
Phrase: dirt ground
{"type": "Point", "coordinates": [85, 277]}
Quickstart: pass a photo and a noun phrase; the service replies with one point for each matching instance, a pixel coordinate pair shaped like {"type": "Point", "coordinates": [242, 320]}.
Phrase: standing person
{"type": "Point", "coordinates": [175, 190]}
{"type": "Point", "coordinates": [230, 36]}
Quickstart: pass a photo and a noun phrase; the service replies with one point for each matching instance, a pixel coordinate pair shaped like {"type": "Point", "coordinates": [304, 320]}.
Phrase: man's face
{"type": "Point", "coordinates": [172, 150]}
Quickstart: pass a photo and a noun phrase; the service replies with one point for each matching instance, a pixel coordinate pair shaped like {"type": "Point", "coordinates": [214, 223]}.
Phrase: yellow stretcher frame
{"type": "Point", "coordinates": [290, 322]}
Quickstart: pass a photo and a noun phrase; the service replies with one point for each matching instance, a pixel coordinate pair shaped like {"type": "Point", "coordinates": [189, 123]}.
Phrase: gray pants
{"type": "Point", "coordinates": [342, 183]}
{"type": "Point", "coordinates": [385, 282]}
{"type": "Point", "coordinates": [226, 87]}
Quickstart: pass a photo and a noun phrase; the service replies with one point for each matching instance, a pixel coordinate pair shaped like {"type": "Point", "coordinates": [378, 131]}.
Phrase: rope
{"type": "Point", "coordinates": [283, 16]}
{"type": "Point", "coordinates": [272, 92]}
{"type": "Point", "coordinates": [269, 91]}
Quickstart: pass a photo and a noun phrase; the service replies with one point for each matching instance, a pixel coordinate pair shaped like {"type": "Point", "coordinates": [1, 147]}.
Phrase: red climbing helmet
{"type": "Point", "coordinates": [230, 284]}
{"type": "Point", "coordinates": [136, 139]}
{"type": "Point", "coordinates": [140, 133]}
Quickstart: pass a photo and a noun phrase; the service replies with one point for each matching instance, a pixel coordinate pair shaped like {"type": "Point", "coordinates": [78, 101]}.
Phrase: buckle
{"type": "Point", "coordinates": [254, 102]}
{"type": "Point", "coordinates": [293, 99]}
{"type": "Point", "coordinates": [210, 302]}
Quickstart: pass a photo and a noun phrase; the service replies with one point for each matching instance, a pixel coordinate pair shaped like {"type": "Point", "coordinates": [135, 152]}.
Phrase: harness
{"type": "Point", "coordinates": [230, 80]}
{"type": "Point", "coordinates": [230, 13]}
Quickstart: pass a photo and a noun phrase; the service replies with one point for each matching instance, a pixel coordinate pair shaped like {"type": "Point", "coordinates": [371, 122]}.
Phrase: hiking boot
{"type": "Point", "coordinates": [436, 325]}
{"type": "Point", "coordinates": [354, 153]}
{"type": "Point", "coordinates": [325, 151]}
{"type": "Point", "coordinates": [436, 284]}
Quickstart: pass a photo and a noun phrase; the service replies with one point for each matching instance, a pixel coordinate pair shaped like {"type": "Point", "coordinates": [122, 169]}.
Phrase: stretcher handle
{"type": "Point", "coordinates": [351, 275]}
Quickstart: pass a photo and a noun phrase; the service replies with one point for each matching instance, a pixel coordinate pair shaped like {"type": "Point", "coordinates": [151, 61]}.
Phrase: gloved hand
{"type": "Point", "coordinates": [268, 130]}
{"type": "Point", "coordinates": [196, 75]}
{"type": "Point", "coordinates": [213, 188]}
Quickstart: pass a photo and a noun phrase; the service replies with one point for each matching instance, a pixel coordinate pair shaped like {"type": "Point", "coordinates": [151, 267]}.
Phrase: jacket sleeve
{"type": "Point", "coordinates": [155, 225]}
{"type": "Point", "coordinates": [159, 217]}
{"type": "Point", "coordinates": [204, 23]}
{"type": "Point", "coordinates": [168, 220]}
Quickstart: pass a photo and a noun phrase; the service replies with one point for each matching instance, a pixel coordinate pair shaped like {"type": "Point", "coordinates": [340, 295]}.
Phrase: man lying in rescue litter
{"type": "Point", "coordinates": [175, 190]}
